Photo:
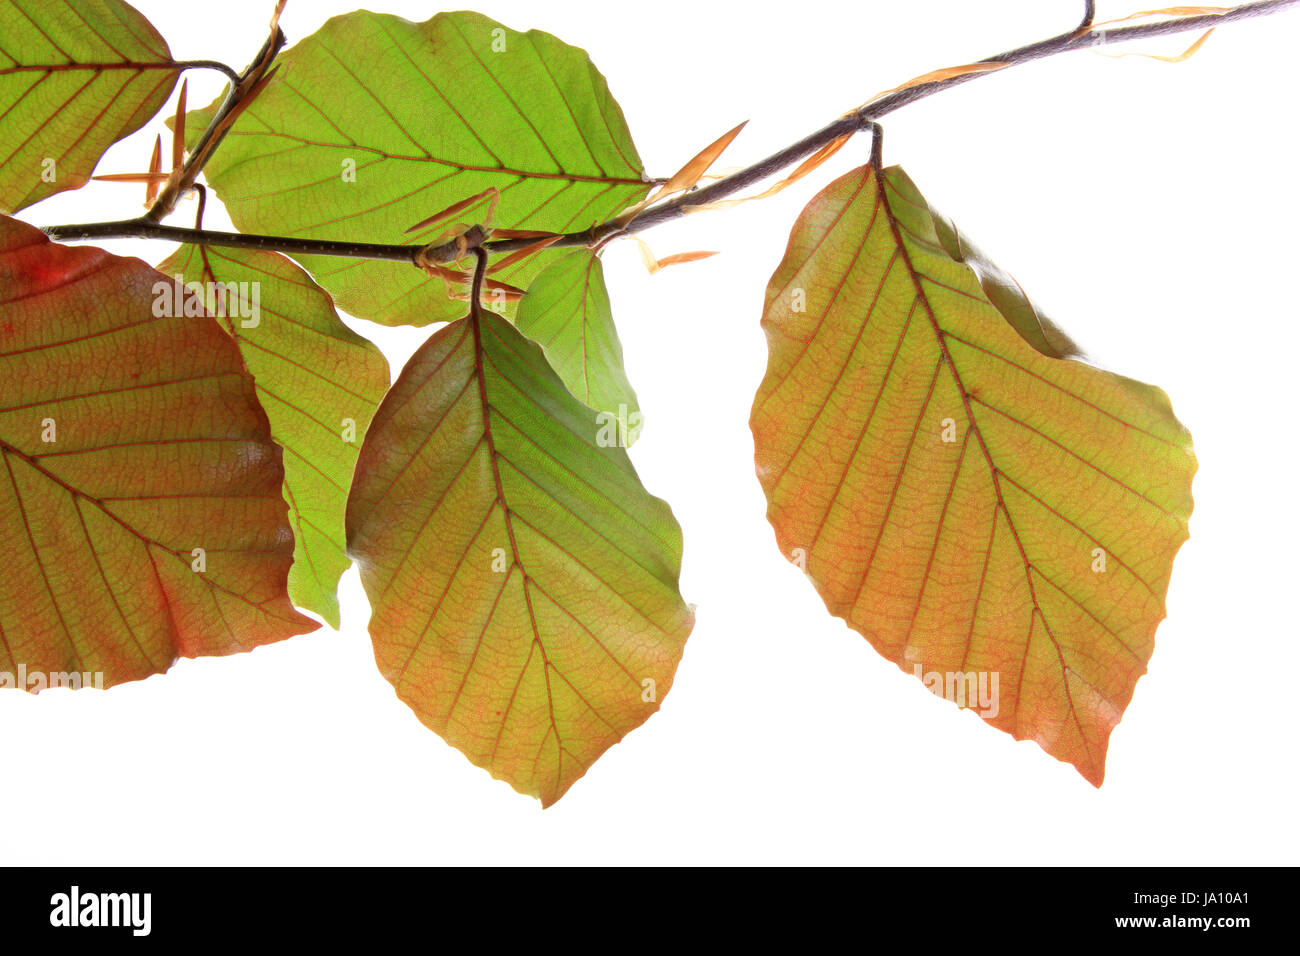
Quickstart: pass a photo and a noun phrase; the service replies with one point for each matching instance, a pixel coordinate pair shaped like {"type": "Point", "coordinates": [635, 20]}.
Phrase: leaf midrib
{"type": "Point", "coordinates": [994, 474]}
{"type": "Point", "coordinates": [475, 321]}
{"type": "Point", "coordinates": [464, 167]}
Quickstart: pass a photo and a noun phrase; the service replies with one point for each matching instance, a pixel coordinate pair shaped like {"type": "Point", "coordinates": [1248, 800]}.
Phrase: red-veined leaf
{"type": "Point", "coordinates": [523, 582]}
{"type": "Point", "coordinates": [986, 508]}
{"type": "Point", "coordinates": [141, 518]}
{"type": "Point", "coordinates": [75, 77]}
{"type": "Point", "coordinates": [320, 384]}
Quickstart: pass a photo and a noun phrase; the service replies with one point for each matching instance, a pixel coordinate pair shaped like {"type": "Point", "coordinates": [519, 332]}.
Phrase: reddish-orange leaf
{"type": "Point", "coordinates": [996, 516]}
{"type": "Point", "coordinates": [141, 517]}
{"type": "Point", "coordinates": [523, 582]}
{"type": "Point", "coordinates": [319, 382]}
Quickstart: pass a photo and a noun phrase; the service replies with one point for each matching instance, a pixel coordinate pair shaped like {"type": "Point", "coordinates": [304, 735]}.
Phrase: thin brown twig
{"type": "Point", "coordinates": [208, 65]}
{"type": "Point", "coordinates": [239, 94]}
{"type": "Point", "coordinates": [1089, 15]}
{"type": "Point", "coordinates": [1082, 37]}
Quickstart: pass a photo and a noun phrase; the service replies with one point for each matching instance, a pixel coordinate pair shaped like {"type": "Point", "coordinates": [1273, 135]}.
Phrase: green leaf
{"type": "Point", "coordinates": [320, 384]}
{"type": "Point", "coordinates": [567, 312]}
{"type": "Point", "coordinates": [374, 123]}
{"type": "Point", "coordinates": [995, 518]}
{"type": "Point", "coordinates": [141, 518]}
{"type": "Point", "coordinates": [75, 77]}
{"type": "Point", "coordinates": [1002, 291]}
{"type": "Point", "coordinates": [524, 583]}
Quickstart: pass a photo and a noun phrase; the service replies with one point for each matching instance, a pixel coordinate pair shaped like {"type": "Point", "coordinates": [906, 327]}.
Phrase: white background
{"type": "Point", "coordinates": [1152, 209]}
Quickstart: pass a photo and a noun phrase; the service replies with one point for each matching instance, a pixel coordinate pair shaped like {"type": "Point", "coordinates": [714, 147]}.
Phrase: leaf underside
{"type": "Point", "coordinates": [319, 383]}
{"type": "Point", "coordinates": [957, 491]}
{"type": "Point", "coordinates": [567, 312]}
{"type": "Point", "coordinates": [128, 440]}
{"type": "Point", "coordinates": [460, 105]}
{"type": "Point", "coordinates": [523, 582]}
{"type": "Point", "coordinates": [75, 77]}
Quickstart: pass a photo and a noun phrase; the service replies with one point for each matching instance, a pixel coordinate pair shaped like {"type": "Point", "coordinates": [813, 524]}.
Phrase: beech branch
{"type": "Point", "coordinates": [243, 88]}
{"type": "Point", "coordinates": [1085, 36]}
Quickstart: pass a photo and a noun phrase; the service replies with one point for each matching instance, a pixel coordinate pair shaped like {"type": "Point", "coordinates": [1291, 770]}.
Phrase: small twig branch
{"type": "Point", "coordinates": [1089, 14]}
{"type": "Point", "coordinates": [243, 86]}
{"type": "Point", "coordinates": [144, 229]}
{"type": "Point", "coordinates": [153, 65]}
{"type": "Point", "coordinates": [1082, 37]}
{"type": "Point", "coordinates": [203, 204]}
{"type": "Point", "coordinates": [476, 287]}
{"type": "Point", "coordinates": [863, 118]}
{"type": "Point", "coordinates": [209, 65]}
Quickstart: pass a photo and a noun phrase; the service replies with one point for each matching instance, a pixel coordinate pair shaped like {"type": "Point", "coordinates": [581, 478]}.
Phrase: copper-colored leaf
{"type": "Point", "coordinates": [523, 582]}
{"type": "Point", "coordinates": [995, 515]}
{"type": "Point", "coordinates": [141, 518]}
{"type": "Point", "coordinates": [320, 384]}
